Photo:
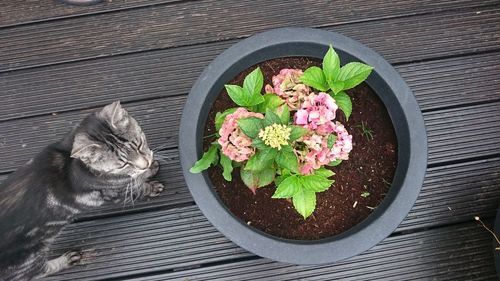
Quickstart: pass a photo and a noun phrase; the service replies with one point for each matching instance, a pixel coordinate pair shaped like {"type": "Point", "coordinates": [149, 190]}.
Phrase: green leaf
{"type": "Point", "coordinates": [220, 117]}
{"type": "Point", "coordinates": [284, 174]}
{"type": "Point", "coordinates": [353, 73]}
{"type": "Point", "coordinates": [324, 172]}
{"type": "Point", "coordinates": [261, 160]}
{"type": "Point", "coordinates": [314, 77]}
{"type": "Point", "coordinates": [254, 180]}
{"type": "Point", "coordinates": [271, 101]}
{"type": "Point", "coordinates": [254, 82]}
{"type": "Point", "coordinates": [287, 159]}
{"type": "Point", "coordinates": [330, 141]}
{"type": "Point", "coordinates": [297, 132]}
{"type": "Point", "coordinates": [316, 183]}
{"type": "Point", "coordinates": [336, 86]}
{"type": "Point", "coordinates": [365, 194]}
{"type": "Point", "coordinates": [344, 103]}
{"type": "Point", "coordinates": [304, 202]}
{"type": "Point", "coordinates": [288, 187]}
{"type": "Point", "coordinates": [283, 112]}
{"type": "Point", "coordinates": [259, 144]}
{"type": "Point", "coordinates": [335, 163]}
{"type": "Point", "coordinates": [250, 126]}
{"type": "Point", "coordinates": [227, 166]}
{"type": "Point", "coordinates": [331, 65]}
{"type": "Point", "coordinates": [242, 97]}
{"type": "Point", "coordinates": [271, 118]}
{"type": "Point", "coordinates": [209, 158]}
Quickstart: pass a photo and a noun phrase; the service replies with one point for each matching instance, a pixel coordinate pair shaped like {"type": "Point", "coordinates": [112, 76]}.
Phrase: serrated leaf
{"type": "Point", "coordinates": [316, 183]}
{"type": "Point", "coordinates": [259, 144]}
{"type": "Point", "coordinates": [271, 101]}
{"type": "Point", "coordinates": [288, 187]}
{"type": "Point", "coordinates": [324, 172]}
{"type": "Point", "coordinates": [297, 132]}
{"type": "Point", "coordinates": [284, 174]}
{"type": "Point", "coordinates": [209, 158]}
{"type": "Point", "coordinates": [271, 118]}
{"type": "Point", "coordinates": [344, 103]}
{"type": "Point", "coordinates": [314, 77]}
{"type": "Point", "coordinates": [336, 86]}
{"type": "Point", "coordinates": [254, 180]}
{"type": "Point", "coordinates": [287, 159]}
{"type": "Point", "coordinates": [353, 73]}
{"type": "Point", "coordinates": [254, 82]}
{"type": "Point", "coordinates": [250, 126]}
{"type": "Point", "coordinates": [331, 65]}
{"type": "Point", "coordinates": [283, 112]}
{"type": "Point", "coordinates": [304, 202]}
{"type": "Point", "coordinates": [331, 141]}
{"type": "Point", "coordinates": [242, 97]}
{"type": "Point", "coordinates": [335, 163]}
{"type": "Point", "coordinates": [262, 159]}
{"type": "Point", "coordinates": [220, 117]}
{"type": "Point", "coordinates": [227, 167]}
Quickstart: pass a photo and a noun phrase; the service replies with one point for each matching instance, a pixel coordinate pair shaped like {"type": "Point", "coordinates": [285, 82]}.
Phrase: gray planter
{"type": "Point", "coordinates": [384, 80]}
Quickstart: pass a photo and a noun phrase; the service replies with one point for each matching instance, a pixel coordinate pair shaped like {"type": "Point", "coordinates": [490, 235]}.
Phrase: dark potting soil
{"type": "Point", "coordinates": [360, 182]}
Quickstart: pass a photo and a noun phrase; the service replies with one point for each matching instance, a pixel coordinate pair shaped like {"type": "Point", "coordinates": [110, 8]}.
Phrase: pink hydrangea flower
{"type": "Point", "coordinates": [317, 113]}
{"type": "Point", "coordinates": [288, 86]}
{"type": "Point", "coordinates": [316, 152]}
{"type": "Point", "coordinates": [235, 144]}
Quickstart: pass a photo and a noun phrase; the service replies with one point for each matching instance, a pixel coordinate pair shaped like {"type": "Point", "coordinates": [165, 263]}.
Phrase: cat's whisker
{"type": "Point", "coordinates": [163, 158]}
{"type": "Point", "coordinates": [160, 147]}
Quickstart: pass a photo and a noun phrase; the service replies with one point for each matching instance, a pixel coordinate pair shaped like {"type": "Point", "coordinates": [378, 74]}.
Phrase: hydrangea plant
{"type": "Point", "coordinates": [289, 134]}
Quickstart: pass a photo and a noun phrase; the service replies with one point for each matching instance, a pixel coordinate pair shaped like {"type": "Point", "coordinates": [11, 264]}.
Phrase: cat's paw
{"type": "Point", "coordinates": [72, 257]}
{"type": "Point", "coordinates": [67, 260]}
{"type": "Point", "coordinates": [154, 168]}
{"type": "Point", "coordinates": [153, 188]}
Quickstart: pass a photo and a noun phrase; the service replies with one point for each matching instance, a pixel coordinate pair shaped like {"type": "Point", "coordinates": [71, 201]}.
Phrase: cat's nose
{"type": "Point", "coordinates": [141, 163]}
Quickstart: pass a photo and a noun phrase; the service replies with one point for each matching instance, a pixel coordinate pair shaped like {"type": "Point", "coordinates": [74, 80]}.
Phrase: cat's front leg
{"type": "Point", "coordinates": [153, 188]}
{"type": "Point", "coordinates": [153, 169]}
{"type": "Point", "coordinates": [65, 261]}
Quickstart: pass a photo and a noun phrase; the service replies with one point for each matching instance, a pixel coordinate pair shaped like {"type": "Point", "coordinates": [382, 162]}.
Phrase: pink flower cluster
{"type": "Point", "coordinates": [288, 86]}
{"type": "Point", "coordinates": [316, 152]}
{"type": "Point", "coordinates": [235, 144]}
{"type": "Point", "coordinates": [317, 114]}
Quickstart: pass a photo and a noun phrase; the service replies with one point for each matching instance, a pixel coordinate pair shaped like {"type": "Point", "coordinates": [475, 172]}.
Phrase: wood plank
{"type": "Point", "coordinates": [165, 26]}
{"type": "Point", "coordinates": [175, 239]}
{"type": "Point", "coordinates": [16, 13]}
{"type": "Point", "coordinates": [28, 12]}
{"type": "Point", "coordinates": [436, 84]}
{"type": "Point", "coordinates": [449, 131]}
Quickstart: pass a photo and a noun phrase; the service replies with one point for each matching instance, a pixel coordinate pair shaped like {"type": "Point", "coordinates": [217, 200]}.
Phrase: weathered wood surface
{"type": "Point", "coordinates": [59, 63]}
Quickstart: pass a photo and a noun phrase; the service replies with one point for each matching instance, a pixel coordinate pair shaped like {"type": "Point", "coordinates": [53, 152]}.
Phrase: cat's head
{"type": "Point", "coordinates": [112, 142]}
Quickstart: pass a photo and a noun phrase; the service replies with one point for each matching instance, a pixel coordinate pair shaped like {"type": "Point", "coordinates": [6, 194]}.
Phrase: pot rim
{"type": "Point", "coordinates": [389, 214]}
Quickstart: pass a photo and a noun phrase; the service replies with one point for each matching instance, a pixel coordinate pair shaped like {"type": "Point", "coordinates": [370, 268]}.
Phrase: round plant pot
{"type": "Point", "coordinates": [385, 81]}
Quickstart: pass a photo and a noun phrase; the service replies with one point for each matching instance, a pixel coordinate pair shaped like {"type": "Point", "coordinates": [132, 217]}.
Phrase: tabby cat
{"type": "Point", "coordinates": [106, 158]}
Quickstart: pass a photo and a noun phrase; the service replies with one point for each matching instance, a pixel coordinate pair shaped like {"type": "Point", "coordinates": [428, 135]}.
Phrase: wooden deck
{"type": "Point", "coordinates": [58, 63]}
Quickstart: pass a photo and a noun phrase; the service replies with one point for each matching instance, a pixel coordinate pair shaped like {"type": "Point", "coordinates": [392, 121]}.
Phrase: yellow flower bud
{"type": "Point", "coordinates": [275, 135]}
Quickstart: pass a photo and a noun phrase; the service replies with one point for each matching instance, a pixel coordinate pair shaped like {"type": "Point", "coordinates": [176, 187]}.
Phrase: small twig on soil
{"type": "Point", "coordinates": [209, 136]}
{"type": "Point", "coordinates": [490, 231]}
{"type": "Point", "coordinates": [386, 182]}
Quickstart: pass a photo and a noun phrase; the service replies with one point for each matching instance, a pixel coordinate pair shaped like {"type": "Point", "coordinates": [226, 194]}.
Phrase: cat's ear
{"type": "Point", "coordinates": [115, 115]}
{"type": "Point", "coordinates": [83, 147]}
